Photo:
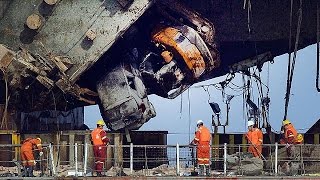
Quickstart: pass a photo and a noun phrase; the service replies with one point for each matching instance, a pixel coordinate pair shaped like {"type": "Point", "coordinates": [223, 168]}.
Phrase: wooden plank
{"type": "Point", "coordinates": [316, 138]}
{"type": "Point", "coordinates": [231, 142]}
{"type": "Point", "coordinates": [244, 141]}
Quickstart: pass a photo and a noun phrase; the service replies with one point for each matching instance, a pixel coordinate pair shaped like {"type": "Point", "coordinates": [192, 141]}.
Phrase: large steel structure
{"type": "Point", "coordinates": [58, 54]}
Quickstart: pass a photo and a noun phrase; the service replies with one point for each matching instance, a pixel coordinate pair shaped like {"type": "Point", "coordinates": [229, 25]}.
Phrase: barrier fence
{"type": "Point", "coordinates": [164, 160]}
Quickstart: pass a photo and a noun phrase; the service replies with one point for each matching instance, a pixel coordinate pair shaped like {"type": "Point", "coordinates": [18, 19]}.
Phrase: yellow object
{"type": "Point", "coordinates": [167, 56]}
{"type": "Point", "coordinates": [299, 138]}
{"type": "Point", "coordinates": [100, 122]}
{"type": "Point", "coordinates": [180, 46]}
{"type": "Point", "coordinates": [286, 122]}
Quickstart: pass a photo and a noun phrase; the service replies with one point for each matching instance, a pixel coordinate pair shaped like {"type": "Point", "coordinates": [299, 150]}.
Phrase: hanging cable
{"type": "Point", "coordinates": [206, 89]}
{"type": "Point", "coordinates": [318, 49]}
{"type": "Point", "coordinates": [244, 100]}
{"type": "Point", "coordinates": [290, 41]}
{"type": "Point", "coordinates": [292, 65]}
{"type": "Point", "coordinates": [248, 4]}
{"type": "Point", "coordinates": [181, 106]}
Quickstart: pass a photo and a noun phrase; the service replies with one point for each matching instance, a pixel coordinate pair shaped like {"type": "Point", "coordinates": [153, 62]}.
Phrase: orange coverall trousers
{"type": "Point", "coordinates": [203, 152]}
{"type": "Point", "coordinates": [27, 157]}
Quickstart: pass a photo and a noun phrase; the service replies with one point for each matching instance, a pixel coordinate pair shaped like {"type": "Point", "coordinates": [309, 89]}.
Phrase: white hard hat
{"type": "Point", "coordinates": [250, 123]}
{"type": "Point", "coordinates": [199, 122]}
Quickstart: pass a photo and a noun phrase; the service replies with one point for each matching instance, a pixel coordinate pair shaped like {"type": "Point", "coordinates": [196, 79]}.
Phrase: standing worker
{"type": "Point", "coordinates": [202, 140]}
{"type": "Point", "coordinates": [100, 142]}
{"type": "Point", "coordinates": [27, 157]}
{"type": "Point", "coordinates": [290, 138]}
{"type": "Point", "coordinates": [255, 139]}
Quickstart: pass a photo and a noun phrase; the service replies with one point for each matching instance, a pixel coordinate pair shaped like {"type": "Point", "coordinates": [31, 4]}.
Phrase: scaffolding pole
{"type": "Point", "coordinates": [85, 159]}
{"type": "Point", "coordinates": [131, 158]}
{"type": "Point", "coordinates": [76, 158]}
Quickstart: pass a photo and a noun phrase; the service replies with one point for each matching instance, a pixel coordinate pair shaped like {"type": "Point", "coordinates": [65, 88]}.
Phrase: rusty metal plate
{"type": "Point", "coordinates": [6, 57]}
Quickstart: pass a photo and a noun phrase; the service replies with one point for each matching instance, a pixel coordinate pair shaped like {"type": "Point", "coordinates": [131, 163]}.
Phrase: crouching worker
{"type": "Point", "coordinates": [290, 138]}
{"type": "Point", "coordinates": [100, 142]}
{"type": "Point", "coordinates": [202, 140]}
{"type": "Point", "coordinates": [28, 146]}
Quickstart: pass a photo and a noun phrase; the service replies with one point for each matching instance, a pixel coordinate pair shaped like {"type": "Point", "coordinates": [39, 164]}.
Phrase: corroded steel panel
{"type": "Point", "coordinates": [65, 26]}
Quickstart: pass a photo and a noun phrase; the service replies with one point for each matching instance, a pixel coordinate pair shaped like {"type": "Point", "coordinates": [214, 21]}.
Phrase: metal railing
{"type": "Point", "coordinates": [164, 160]}
{"type": "Point", "coordinates": [11, 164]}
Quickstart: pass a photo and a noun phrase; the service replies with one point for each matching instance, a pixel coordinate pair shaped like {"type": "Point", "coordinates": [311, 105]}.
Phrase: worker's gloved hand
{"type": "Point", "coordinates": [40, 153]}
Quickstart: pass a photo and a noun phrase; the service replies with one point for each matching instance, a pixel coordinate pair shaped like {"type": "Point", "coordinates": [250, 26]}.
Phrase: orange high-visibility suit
{"type": "Point", "coordinates": [291, 137]}
{"type": "Point", "coordinates": [202, 140]}
{"type": "Point", "coordinates": [291, 134]}
{"type": "Point", "coordinates": [255, 139]}
{"type": "Point", "coordinates": [100, 140]}
{"type": "Point", "coordinates": [27, 147]}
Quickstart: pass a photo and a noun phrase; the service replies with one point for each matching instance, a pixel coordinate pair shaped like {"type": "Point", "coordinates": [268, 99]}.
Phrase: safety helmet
{"type": "Point", "coordinates": [299, 138]}
{"type": "Point", "coordinates": [250, 123]}
{"type": "Point", "coordinates": [100, 122]}
{"type": "Point", "coordinates": [39, 139]}
{"type": "Point", "coordinates": [199, 122]}
{"type": "Point", "coordinates": [285, 122]}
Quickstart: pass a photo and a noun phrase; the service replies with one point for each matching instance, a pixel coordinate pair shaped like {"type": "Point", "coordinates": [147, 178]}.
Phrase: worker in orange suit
{"type": "Point", "coordinates": [202, 140]}
{"type": "Point", "coordinates": [27, 158]}
{"type": "Point", "coordinates": [100, 142]}
{"type": "Point", "coordinates": [254, 137]}
{"type": "Point", "coordinates": [290, 138]}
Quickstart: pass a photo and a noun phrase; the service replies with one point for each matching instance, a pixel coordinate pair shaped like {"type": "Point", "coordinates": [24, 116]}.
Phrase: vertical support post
{"type": "Point", "coordinates": [216, 146]}
{"type": "Point", "coordinates": [276, 159]}
{"type": "Point", "coordinates": [178, 158]}
{"type": "Point", "coordinates": [302, 164]}
{"type": "Point", "coordinates": [244, 141]}
{"type": "Point", "coordinates": [225, 159]}
{"type": "Point", "coordinates": [240, 161]}
{"type": "Point", "coordinates": [119, 151]}
{"type": "Point", "coordinates": [76, 158]}
{"type": "Point", "coordinates": [57, 149]}
{"type": "Point", "coordinates": [15, 139]}
{"type": "Point", "coordinates": [316, 138]}
{"type": "Point", "coordinates": [71, 149]}
{"type": "Point", "coordinates": [231, 141]}
{"type": "Point", "coordinates": [52, 161]}
{"type": "Point", "coordinates": [85, 159]}
{"type": "Point", "coordinates": [131, 158]}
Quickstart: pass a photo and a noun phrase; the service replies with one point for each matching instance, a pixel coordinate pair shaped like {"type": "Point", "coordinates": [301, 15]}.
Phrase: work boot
{"type": "Point", "coordinates": [207, 170]}
{"type": "Point", "coordinates": [30, 171]}
{"type": "Point", "coordinates": [27, 171]}
{"type": "Point", "coordinates": [24, 172]}
{"type": "Point", "coordinates": [201, 170]}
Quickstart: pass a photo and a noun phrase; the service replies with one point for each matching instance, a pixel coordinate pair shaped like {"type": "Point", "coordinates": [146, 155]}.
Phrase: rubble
{"type": "Point", "coordinates": [244, 164]}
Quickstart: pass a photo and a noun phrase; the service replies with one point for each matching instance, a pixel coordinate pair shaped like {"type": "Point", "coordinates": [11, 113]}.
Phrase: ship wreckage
{"type": "Point", "coordinates": [59, 54]}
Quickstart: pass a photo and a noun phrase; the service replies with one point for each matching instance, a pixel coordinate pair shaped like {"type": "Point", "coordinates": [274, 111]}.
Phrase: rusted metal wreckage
{"type": "Point", "coordinates": [58, 55]}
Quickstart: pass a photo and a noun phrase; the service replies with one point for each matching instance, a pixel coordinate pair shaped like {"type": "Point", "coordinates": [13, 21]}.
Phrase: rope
{"type": "Point", "coordinates": [292, 64]}
{"type": "Point", "coordinates": [4, 116]}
